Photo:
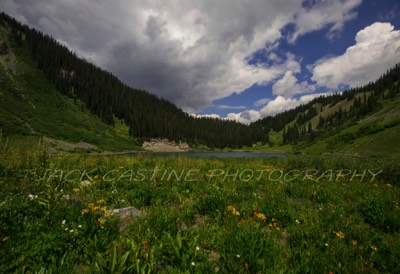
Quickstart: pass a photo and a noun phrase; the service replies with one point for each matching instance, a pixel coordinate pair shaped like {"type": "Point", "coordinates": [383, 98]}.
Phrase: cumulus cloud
{"type": "Point", "coordinates": [272, 107]}
{"type": "Point", "coordinates": [190, 52]}
{"type": "Point", "coordinates": [261, 102]}
{"type": "Point", "coordinates": [321, 13]}
{"type": "Point", "coordinates": [288, 86]}
{"type": "Point", "coordinates": [377, 48]}
{"type": "Point", "coordinates": [245, 117]}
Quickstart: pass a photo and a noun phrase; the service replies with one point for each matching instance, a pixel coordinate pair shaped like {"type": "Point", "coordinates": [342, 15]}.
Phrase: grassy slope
{"type": "Point", "coordinates": [375, 135]}
{"type": "Point", "coordinates": [30, 105]}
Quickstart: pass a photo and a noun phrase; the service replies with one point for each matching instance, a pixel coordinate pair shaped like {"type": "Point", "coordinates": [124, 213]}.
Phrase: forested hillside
{"type": "Point", "coordinates": [148, 116]}
{"type": "Point", "coordinates": [106, 96]}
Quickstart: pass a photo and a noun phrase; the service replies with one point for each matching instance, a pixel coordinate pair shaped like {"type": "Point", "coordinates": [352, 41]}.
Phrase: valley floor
{"type": "Point", "coordinates": [300, 214]}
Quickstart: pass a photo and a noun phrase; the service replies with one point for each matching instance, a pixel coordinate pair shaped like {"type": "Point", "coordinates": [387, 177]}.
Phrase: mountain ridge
{"type": "Point", "coordinates": [103, 107]}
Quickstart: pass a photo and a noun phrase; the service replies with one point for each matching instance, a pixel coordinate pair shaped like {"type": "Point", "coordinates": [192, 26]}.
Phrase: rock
{"type": "Point", "coordinates": [164, 145]}
{"type": "Point", "coordinates": [130, 211]}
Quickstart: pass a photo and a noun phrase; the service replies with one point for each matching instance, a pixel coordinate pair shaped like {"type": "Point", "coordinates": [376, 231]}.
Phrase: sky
{"type": "Point", "coordinates": [235, 59]}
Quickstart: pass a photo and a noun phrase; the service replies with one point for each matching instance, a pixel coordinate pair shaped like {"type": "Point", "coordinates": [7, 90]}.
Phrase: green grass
{"type": "Point", "coordinates": [198, 220]}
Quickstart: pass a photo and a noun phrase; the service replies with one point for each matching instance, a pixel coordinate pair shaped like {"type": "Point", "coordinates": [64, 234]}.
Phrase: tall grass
{"type": "Point", "coordinates": [223, 217]}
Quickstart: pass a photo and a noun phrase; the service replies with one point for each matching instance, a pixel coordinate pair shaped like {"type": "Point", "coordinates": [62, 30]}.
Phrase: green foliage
{"type": "Point", "coordinates": [297, 223]}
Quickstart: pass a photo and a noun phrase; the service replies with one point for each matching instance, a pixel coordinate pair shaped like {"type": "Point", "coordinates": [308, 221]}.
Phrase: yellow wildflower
{"type": "Point", "coordinates": [5, 239]}
{"type": "Point", "coordinates": [354, 242]}
{"type": "Point", "coordinates": [108, 214]}
{"type": "Point", "coordinates": [374, 248]}
{"type": "Point", "coordinates": [103, 208]}
{"type": "Point", "coordinates": [76, 190]}
{"type": "Point", "coordinates": [90, 205]}
{"type": "Point", "coordinates": [101, 201]}
{"type": "Point", "coordinates": [85, 211]}
{"type": "Point", "coordinates": [261, 216]}
{"type": "Point", "coordinates": [95, 208]}
{"type": "Point", "coordinates": [100, 220]}
{"type": "Point", "coordinates": [233, 210]}
{"type": "Point", "coordinates": [340, 235]}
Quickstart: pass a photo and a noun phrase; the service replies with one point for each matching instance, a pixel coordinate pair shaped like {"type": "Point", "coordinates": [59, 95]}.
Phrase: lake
{"type": "Point", "coordinates": [215, 154]}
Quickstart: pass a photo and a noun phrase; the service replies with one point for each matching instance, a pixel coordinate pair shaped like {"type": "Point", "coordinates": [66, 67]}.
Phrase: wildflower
{"type": "Point", "coordinates": [79, 226]}
{"type": "Point", "coordinates": [76, 190]}
{"type": "Point", "coordinates": [261, 216]}
{"type": "Point", "coordinates": [145, 244]}
{"type": "Point", "coordinates": [90, 205]}
{"type": "Point", "coordinates": [233, 210]}
{"type": "Point", "coordinates": [85, 211]}
{"type": "Point", "coordinates": [71, 231]}
{"type": "Point", "coordinates": [197, 248]}
{"type": "Point", "coordinates": [246, 266]}
{"type": "Point", "coordinates": [109, 213]}
{"type": "Point", "coordinates": [63, 222]}
{"type": "Point", "coordinates": [193, 264]}
{"type": "Point", "coordinates": [340, 235]}
{"type": "Point", "coordinates": [374, 248]}
{"type": "Point", "coordinates": [101, 201]}
{"type": "Point", "coordinates": [74, 200]}
{"type": "Point", "coordinates": [354, 242]}
{"type": "Point", "coordinates": [103, 208]}
{"type": "Point", "coordinates": [6, 238]}
{"type": "Point", "coordinates": [251, 220]}
{"type": "Point", "coordinates": [100, 220]}
{"type": "Point", "coordinates": [297, 221]}
{"type": "Point", "coordinates": [127, 218]}
{"type": "Point", "coordinates": [241, 221]}
{"type": "Point", "coordinates": [32, 197]}
{"type": "Point", "coordinates": [326, 244]}
{"type": "Point", "coordinates": [95, 208]}
{"type": "Point", "coordinates": [237, 256]}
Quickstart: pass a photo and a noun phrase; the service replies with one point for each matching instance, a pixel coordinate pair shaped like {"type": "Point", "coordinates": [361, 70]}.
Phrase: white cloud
{"type": "Point", "coordinates": [261, 102]}
{"type": "Point", "coordinates": [377, 48]}
{"type": "Point", "coordinates": [278, 105]}
{"type": "Point", "coordinates": [213, 115]}
{"type": "Point", "coordinates": [190, 52]}
{"type": "Point", "coordinates": [321, 13]}
{"type": "Point", "coordinates": [230, 107]}
{"type": "Point", "coordinates": [288, 86]}
{"type": "Point", "coordinates": [245, 117]}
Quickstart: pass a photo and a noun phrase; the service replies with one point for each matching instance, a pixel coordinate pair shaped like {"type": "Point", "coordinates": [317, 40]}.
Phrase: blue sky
{"type": "Point", "coordinates": [234, 59]}
{"type": "Point", "coordinates": [309, 49]}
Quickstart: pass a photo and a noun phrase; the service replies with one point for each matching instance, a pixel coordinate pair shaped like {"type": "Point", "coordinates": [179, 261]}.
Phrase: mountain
{"type": "Point", "coordinates": [46, 90]}
{"type": "Point", "coordinates": [146, 115]}
{"type": "Point", "coordinates": [362, 121]}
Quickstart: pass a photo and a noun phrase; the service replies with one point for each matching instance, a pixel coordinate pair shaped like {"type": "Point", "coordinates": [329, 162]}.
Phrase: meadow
{"type": "Point", "coordinates": [296, 214]}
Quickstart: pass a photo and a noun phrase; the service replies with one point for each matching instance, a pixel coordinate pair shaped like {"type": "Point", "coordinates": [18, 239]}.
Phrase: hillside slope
{"type": "Point", "coordinates": [31, 106]}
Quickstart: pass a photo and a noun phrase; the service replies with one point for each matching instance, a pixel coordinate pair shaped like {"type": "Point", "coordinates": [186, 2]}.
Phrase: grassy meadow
{"type": "Point", "coordinates": [296, 214]}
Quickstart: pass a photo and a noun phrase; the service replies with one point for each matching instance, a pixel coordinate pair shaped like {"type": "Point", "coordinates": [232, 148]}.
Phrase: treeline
{"type": "Point", "coordinates": [147, 115]}
{"type": "Point", "coordinates": [364, 99]}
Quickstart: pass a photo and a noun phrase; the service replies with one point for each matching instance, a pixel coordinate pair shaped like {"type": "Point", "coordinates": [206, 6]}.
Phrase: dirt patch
{"type": "Point", "coordinates": [60, 147]}
{"type": "Point", "coordinates": [164, 145]}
